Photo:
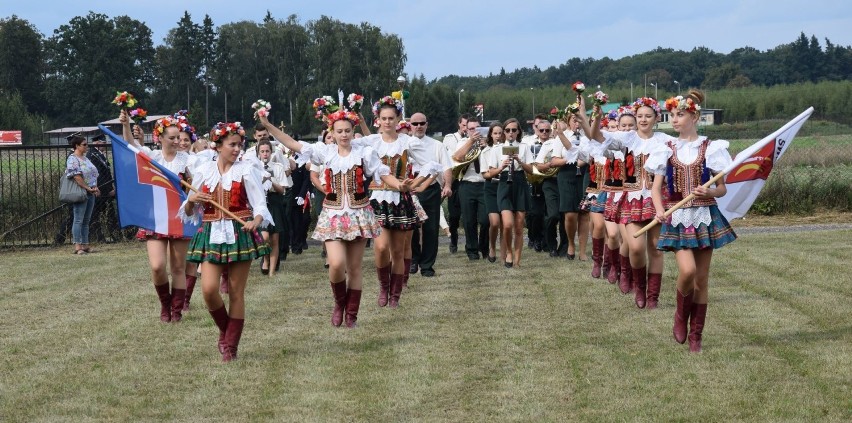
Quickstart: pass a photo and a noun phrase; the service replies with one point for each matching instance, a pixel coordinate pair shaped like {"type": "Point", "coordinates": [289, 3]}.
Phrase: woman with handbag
{"type": "Point", "coordinates": [84, 173]}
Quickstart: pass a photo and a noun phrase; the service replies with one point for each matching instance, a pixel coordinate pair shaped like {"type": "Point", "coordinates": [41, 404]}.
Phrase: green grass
{"type": "Point", "coordinates": [81, 340]}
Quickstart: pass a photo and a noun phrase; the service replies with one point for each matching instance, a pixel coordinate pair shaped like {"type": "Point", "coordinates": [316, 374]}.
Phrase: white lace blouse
{"type": "Point", "coordinates": [416, 152]}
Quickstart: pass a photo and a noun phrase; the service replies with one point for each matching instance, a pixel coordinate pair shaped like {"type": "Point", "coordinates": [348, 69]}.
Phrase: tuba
{"type": "Point", "coordinates": [460, 168]}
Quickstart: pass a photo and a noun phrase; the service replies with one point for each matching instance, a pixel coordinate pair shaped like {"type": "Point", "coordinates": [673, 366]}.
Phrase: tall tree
{"type": "Point", "coordinates": [22, 61]}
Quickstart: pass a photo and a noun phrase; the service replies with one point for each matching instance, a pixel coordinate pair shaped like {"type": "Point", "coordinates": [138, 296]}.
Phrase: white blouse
{"type": "Point", "coordinates": [632, 141]}
{"type": "Point", "coordinates": [416, 152]}
{"type": "Point", "coordinates": [222, 231]}
{"type": "Point", "coordinates": [717, 159]}
{"type": "Point", "coordinates": [276, 173]}
{"type": "Point", "coordinates": [181, 163]}
{"type": "Point", "coordinates": [496, 157]}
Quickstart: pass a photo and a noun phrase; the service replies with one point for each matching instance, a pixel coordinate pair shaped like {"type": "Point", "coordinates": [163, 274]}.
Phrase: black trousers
{"type": "Point", "coordinates": [475, 218]}
{"type": "Point", "coordinates": [424, 248]}
{"type": "Point", "coordinates": [551, 215]}
{"type": "Point", "coordinates": [300, 220]}
{"type": "Point", "coordinates": [454, 213]}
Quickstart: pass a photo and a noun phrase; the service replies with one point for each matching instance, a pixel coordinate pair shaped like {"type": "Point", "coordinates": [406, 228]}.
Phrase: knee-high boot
{"type": "Point", "coordinates": [353, 303]}
{"type": "Point", "coordinates": [407, 272]}
{"type": "Point", "coordinates": [165, 302]}
{"type": "Point", "coordinates": [384, 284]}
{"type": "Point", "coordinates": [614, 265]}
{"type": "Point", "coordinates": [625, 275]}
{"type": "Point", "coordinates": [653, 294]}
{"type": "Point", "coordinates": [696, 326]}
{"type": "Point", "coordinates": [178, 296]}
{"type": "Point", "coordinates": [190, 286]}
{"type": "Point", "coordinates": [339, 291]}
{"type": "Point", "coordinates": [681, 317]}
{"type": "Point", "coordinates": [232, 338]}
{"type": "Point", "coordinates": [597, 256]}
{"type": "Point", "coordinates": [396, 289]}
{"type": "Point", "coordinates": [220, 317]}
{"type": "Point", "coordinates": [639, 286]}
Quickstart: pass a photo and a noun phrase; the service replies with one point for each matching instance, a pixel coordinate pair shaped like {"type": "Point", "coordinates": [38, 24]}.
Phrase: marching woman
{"type": "Point", "coordinates": [513, 194]}
{"type": "Point", "coordinates": [573, 180]}
{"type": "Point", "coordinates": [223, 243]}
{"type": "Point", "coordinates": [488, 159]}
{"type": "Point", "coordinates": [186, 142]}
{"type": "Point", "coordinates": [274, 186]}
{"type": "Point", "coordinates": [695, 230]}
{"type": "Point", "coordinates": [347, 220]}
{"type": "Point", "coordinates": [166, 254]}
{"type": "Point", "coordinates": [634, 203]}
{"type": "Point", "coordinates": [397, 211]}
{"type": "Point", "coordinates": [594, 202]}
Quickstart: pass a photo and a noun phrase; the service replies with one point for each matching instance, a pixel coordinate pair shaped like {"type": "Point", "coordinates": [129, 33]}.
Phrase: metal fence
{"type": "Point", "coordinates": [30, 211]}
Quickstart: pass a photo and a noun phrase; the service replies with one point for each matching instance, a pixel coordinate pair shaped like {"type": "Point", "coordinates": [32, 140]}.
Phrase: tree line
{"type": "Point", "coordinates": [216, 72]}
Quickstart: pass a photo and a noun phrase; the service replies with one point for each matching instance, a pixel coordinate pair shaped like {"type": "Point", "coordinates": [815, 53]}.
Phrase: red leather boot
{"type": "Point", "coordinates": [696, 326]}
{"type": "Point", "coordinates": [396, 289]}
{"type": "Point", "coordinates": [626, 274]}
{"type": "Point", "coordinates": [220, 317]}
{"type": "Point", "coordinates": [339, 291]}
{"type": "Point", "coordinates": [384, 284]}
{"type": "Point", "coordinates": [232, 339]}
{"type": "Point", "coordinates": [614, 266]}
{"type": "Point", "coordinates": [639, 286]}
{"type": "Point", "coordinates": [178, 297]}
{"type": "Point", "coordinates": [597, 256]}
{"type": "Point", "coordinates": [190, 286]}
{"type": "Point", "coordinates": [165, 302]}
{"type": "Point", "coordinates": [353, 302]}
{"type": "Point", "coordinates": [681, 317]}
{"type": "Point", "coordinates": [653, 294]}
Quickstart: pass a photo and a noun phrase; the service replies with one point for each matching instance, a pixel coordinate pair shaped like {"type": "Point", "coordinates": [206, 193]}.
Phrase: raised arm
{"type": "Point", "coordinates": [280, 135]}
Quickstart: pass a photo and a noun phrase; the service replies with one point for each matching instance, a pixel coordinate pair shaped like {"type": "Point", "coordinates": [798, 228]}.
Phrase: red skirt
{"type": "Point", "coordinates": [144, 235]}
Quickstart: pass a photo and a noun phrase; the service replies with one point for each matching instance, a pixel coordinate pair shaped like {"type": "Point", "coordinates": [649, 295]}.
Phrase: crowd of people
{"type": "Point", "coordinates": [573, 178]}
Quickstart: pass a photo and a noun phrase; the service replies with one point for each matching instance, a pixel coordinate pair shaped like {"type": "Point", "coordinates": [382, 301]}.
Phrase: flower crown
{"type": "Point", "coordinates": [222, 130]}
{"type": "Point", "coordinates": [183, 124]}
{"type": "Point", "coordinates": [625, 111]}
{"type": "Point", "coordinates": [387, 101]}
{"type": "Point", "coordinates": [680, 103]}
{"type": "Point", "coordinates": [161, 124]}
{"type": "Point", "coordinates": [403, 125]}
{"type": "Point", "coordinates": [352, 117]}
{"type": "Point", "coordinates": [612, 115]}
{"type": "Point", "coordinates": [605, 122]}
{"type": "Point", "coordinates": [647, 102]}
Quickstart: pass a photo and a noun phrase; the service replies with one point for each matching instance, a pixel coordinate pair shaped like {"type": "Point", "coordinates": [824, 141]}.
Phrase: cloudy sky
{"type": "Point", "coordinates": [461, 37]}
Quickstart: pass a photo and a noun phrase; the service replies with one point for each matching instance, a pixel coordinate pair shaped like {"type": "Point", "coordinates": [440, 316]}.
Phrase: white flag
{"type": "Point", "coordinates": [747, 174]}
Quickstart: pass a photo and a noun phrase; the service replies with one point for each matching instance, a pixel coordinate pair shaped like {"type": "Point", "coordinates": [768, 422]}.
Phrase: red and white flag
{"type": "Point", "coordinates": [747, 174]}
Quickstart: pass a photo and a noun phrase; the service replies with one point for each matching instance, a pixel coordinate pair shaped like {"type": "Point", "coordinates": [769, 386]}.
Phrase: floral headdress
{"type": "Point", "coordinates": [389, 101]}
{"type": "Point", "coordinates": [182, 117]}
{"type": "Point", "coordinates": [647, 102]}
{"type": "Point", "coordinates": [680, 103]}
{"type": "Point", "coordinates": [161, 124]}
{"type": "Point", "coordinates": [605, 122]}
{"type": "Point", "coordinates": [352, 117]}
{"type": "Point", "coordinates": [403, 125]}
{"type": "Point", "coordinates": [222, 130]}
{"type": "Point", "coordinates": [612, 115]}
{"type": "Point", "coordinates": [625, 111]}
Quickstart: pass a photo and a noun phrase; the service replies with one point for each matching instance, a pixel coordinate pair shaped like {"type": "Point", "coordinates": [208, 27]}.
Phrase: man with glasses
{"type": "Point", "coordinates": [550, 156]}
{"type": "Point", "coordinates": [535, 216]}
{"type": "Point", "coordinates": [424, 246]}
{"type": "Point", "coordinates": [451, 142]}
{"type": "Point", "coordinates": [471, 194]}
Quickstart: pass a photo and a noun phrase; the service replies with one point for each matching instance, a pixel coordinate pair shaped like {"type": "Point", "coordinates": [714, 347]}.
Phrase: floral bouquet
{"type": "Point", "coordinates": [572, 108]}
{"type": "Point", "coordinates": [138, 115]}
{"type": "Point", "coordinates": [124, 100]}
{"type": "Point", "coordinates": [355, 102]}
{"type": "Point", "coordinates": [261, 108]}
{"type": "Point", "coordinates": [599, 98]}
{"type": "Point", "coordinates": [557, 113]}
{"type": "Point", "coordinates": [578, 87]}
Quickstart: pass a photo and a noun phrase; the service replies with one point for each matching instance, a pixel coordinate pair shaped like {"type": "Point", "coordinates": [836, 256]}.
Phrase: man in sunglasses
{"type": "Point", "coordinates": [424, 246]}
{"type": "Point", "coordinates": [535, 216]}
{"type": "Point", "coordinates": [451, 142]}
{"type": "Point", "coordinates": [550, 156]}
{"type": "Point", "coordinates": [472, 194]}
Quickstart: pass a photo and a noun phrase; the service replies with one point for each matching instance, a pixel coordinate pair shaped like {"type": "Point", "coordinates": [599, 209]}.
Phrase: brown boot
{"type": "Point", "coordinates": [339, 291]}
{"type": "Point", "coordinates": [232, 339]}
{"type": "Point", "coordinates": [625, 274]}
{"type": "Point", "coordinates": [178, 296]}
{"type": "Point", "coordinates": [190, 286]}
{"type": "Point", "coordinates": [165, 302]}
{"type": "Point", "coordinates": [396, 289]}
{"type": "Point", "coordinates": [696, 326]}
{"type": "Point", "coordinates": [597, 256]}
{"type": "Point", "coordinates": [653, 294]}
{"type": "Point", "coordinates": [407, 263]}
{"type": "Point", "coordinates": [223, 282]}
{"type": "Point", "coordinates": [614, 266]}
{"type": "Point", "coordinates": [220, 317]}
{"type": "Point", "coordinates": [681, 317]}
{"type": "Point", "coordinates": [639, 286]}
{"type": "Point", "coordinates": [384, 284]}
{"type": "Point", "coordinates": [353, 302]}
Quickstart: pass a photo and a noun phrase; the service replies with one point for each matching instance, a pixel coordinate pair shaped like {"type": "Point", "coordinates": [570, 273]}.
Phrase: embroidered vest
{"type": "Point", "coordinates": [349, 184]}
{"type": "Point", "coordinates": [613, 175]}
{"type": "Point", "coordinates": [235, 200]}
{"type": "Point", "coordinates": [399, 166]}
{"type": "Point", "coordinates": [683, 178]}
{"type": "Point", "coordinates": [636, 177]}
{"type": "Point", "coordinates": [597, 176]}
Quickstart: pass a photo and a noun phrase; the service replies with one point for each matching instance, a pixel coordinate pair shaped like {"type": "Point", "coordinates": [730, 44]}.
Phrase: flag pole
{"type": "Point", "coordinates": [680, 204]}
{"type": "Point", "coordinates": [215, 204]}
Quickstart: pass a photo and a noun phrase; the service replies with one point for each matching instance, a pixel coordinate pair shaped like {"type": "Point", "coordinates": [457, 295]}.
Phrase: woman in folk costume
{"type": "Point", "coordinates": [513, 192]}
{"type": "Point", "coordinates": [223, 243]}
{"type": "Point", "coordinates": [397, 211]}
{"type": "Point", "coordinates": [347, 220]}
{"type": "Point", "coordinates": [186, 140]}
{"type": "Point", "coordinates": [682, 166]}
{"type": "Point", "coordinates": [594, 201]}
{"type": "Point", "coordinates": [634, 205]}
{"type": "Point", "coordinates": [166, 254]}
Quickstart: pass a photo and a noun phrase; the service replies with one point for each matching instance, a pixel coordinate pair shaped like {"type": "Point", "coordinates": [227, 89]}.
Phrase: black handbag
{"type": "Point", "coordinates": [70, 191]}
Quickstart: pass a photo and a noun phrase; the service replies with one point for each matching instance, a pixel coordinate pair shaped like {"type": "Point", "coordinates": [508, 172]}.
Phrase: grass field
{"type": "Point", "coordinates": [81, 340]}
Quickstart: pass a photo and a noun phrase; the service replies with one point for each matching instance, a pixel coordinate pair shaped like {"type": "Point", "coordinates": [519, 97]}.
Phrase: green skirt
{"type": "Point", "coordinates": [515, 196]}
{"type": "Point", "coordinates": [490, 196]}
{"type": "Point", "coordinates": [572, 187]}
{"type": "Point", "coordinates": [248, 246]}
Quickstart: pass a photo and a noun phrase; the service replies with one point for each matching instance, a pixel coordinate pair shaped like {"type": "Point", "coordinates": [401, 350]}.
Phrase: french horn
{"type": "Point", "coordinates": [460, 168]}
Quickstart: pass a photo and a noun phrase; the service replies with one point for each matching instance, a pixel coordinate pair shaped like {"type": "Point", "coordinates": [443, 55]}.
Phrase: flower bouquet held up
{"type": "Point", "coordinates": [261, 108]}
